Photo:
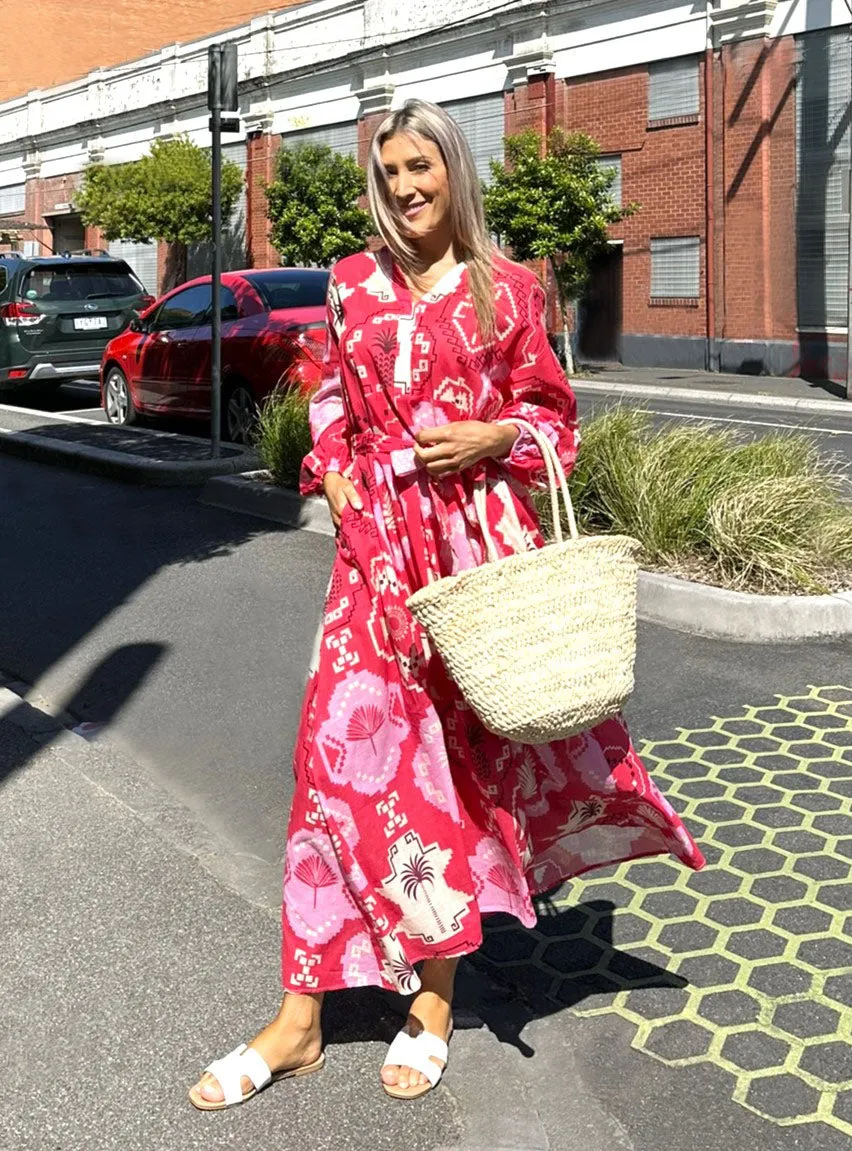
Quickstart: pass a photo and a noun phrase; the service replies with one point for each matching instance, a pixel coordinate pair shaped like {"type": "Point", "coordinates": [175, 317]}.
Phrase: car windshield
{"type": "Point", "coordinates": [286, 289]}
{"type": "Point", "coordinates": [52, 283]}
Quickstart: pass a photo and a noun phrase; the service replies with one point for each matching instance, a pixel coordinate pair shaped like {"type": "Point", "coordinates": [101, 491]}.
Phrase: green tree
{"type": "Point", "coordinates": [313, 206]}
{"type": "Point", "coordinates": [167, 195]}
{"type": "Point", "coordinates": [552, 202]}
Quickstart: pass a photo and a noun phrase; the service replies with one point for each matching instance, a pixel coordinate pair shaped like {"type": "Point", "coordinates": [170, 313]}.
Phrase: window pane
{"type": "Point", "coordinates": [341, 138]}
{"type": "Point", "coordinates": [675, 268]}
{"type": "Point", "coordinates": [286, 289]}
{"type": "Point", "coordinates": [12, 199]}
{"type": "Point", "coordinates": [76, 281]}
{"type": "Point", "coordinates": [613, 165]}
{"type": "Point", "coordinates": [482, 120]}
{"type": "Point", "coordinates": [673, 88]}
{"type": "Point", "coordinates": [185, 309]}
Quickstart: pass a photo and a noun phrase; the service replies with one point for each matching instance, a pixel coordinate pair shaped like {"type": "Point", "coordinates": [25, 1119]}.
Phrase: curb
{"type": "Point", "coordinates": [705, 396]}
{"type": "Point", "coordinates": [244, 493]}
{"type": "Point", "coordinates": [719, 613]}
{"type": "Point", "coordinates": [699, 609]}
{"type": "Point", "coordinates": [118, 465]}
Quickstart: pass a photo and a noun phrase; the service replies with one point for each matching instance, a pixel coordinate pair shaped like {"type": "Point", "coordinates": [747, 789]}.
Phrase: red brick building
{"type": "Point", "coordinates": [727, 124]}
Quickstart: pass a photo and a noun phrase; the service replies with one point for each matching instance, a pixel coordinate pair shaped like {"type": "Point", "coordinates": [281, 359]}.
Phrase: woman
{"type": "Point", "coordinates": [410, 821]}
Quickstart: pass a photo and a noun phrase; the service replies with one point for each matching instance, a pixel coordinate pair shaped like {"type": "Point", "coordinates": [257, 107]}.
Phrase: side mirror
{"type": "Point", "coordinates": [137, 325]}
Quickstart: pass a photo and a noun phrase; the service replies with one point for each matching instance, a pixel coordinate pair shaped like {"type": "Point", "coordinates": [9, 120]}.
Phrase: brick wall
{"type": "Point", "coordinates": [662, 170]}
{"type": "Point", "coordinates": [756, 169]}
{"type": "Point", "coordinates": [60, 45]}
{"type": "Point", "coordinates": [261, 150]}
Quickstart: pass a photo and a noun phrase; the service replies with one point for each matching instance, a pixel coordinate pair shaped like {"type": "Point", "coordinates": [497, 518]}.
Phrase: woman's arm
{"type": "Point", "coordinates": [536, 390]}
{"type": "Point", "coordinates": [331, 452]}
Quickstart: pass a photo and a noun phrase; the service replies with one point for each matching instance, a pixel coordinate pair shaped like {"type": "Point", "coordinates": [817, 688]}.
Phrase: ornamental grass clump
{"type": "Point", "coordinates": [284, 435]}
{"type": "Point", "coordinates": [765, 516]}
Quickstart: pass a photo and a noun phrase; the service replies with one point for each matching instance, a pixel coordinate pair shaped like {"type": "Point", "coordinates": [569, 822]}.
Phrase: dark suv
{"type": "Point", "coordinates": [58, 313]}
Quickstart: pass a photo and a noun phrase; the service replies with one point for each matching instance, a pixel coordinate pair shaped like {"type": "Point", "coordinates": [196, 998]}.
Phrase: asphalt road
{"type": "Point", "coordinates": [832, 432]}
{"type": "Point", "coordinates": [185, 632]}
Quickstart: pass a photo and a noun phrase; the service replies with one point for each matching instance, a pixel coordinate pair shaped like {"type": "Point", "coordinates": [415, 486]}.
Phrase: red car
{"type": "Point", "coordinates": [273, 333]}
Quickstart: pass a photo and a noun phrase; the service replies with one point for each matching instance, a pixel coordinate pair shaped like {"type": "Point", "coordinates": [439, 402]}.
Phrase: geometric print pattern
{"type": "Point", "coordinates": [748, 964]}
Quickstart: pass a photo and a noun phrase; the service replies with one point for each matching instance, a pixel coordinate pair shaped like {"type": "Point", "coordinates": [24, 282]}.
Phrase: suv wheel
{"type": "Point", "coordinates": [239, 415]}
{"type": "Point", "coordinates": [118, 403]}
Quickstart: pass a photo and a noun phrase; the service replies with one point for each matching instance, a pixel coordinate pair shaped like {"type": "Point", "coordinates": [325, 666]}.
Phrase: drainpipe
{"type": "Point", "coordinates": [712, 353]}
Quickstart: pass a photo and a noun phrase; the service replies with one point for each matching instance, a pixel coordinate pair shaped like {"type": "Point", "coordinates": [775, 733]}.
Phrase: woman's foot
{"type": "Point", "coordinates": [293, 1039]}
{"type": "Point", "coordinates": [432, 1011]}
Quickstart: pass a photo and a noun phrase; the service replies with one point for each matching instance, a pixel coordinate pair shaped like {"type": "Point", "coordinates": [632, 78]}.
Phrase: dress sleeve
{"type": "Point", "coordinates": [537, 391]}
{"type": "Point", "coordinates": [329, 426]}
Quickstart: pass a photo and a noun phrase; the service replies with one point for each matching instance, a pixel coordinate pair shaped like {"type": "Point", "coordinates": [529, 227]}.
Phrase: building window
{"type": "Point", "coordinates": [342, 138]}
{"type": "Point", "coordinates": [482, 120]}
{"type": "Point", "coordinates": [12, 199]}
{"type": "Point", "coordinates": [673, 90]}
{"type": "Point", "coordinates": [612, 164]}
{"type": "Point", "coordinates": [675, 268]}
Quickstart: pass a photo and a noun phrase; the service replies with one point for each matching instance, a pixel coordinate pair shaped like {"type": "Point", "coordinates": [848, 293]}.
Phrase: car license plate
{"type": "Point", "coordinates": [89, 323]}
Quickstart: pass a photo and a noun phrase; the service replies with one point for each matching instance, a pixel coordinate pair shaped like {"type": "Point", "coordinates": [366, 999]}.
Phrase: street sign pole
{"type": "Point", "coordinates": [215, 101]}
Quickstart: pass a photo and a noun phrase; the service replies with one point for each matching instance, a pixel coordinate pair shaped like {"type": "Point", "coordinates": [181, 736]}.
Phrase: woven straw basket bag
{"type": "Point", "coordinates": [541, 644]}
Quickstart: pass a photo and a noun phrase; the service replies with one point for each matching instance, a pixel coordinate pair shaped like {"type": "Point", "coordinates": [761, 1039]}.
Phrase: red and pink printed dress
{"type": "Point", "coordinates": [410, 821]}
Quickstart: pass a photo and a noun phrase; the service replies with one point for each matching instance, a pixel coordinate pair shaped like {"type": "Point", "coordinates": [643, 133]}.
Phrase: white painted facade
{"type": "Point", "coordinates": [325, 61]}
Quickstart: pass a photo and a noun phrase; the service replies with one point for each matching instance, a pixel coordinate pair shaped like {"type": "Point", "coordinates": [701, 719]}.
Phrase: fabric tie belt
{"type": "Point", "coordinates": [398, 451]}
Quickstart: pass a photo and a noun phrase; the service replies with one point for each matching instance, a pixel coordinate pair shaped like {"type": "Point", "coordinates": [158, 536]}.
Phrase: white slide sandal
{"type": "Point", "coordinates": [244, 1061]}
{"type": "Point", "coordinates": [418, 1052]}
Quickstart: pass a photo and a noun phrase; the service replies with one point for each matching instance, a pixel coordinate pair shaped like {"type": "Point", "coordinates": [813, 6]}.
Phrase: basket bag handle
{"type": "Point", "coordinates": [556, 481]}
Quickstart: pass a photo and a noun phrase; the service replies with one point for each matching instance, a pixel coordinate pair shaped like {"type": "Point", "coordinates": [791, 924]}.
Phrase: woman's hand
{"type": "Point", "coordinates": [340, 493]}
{"type": "Point", "coordinates": [454, 447]}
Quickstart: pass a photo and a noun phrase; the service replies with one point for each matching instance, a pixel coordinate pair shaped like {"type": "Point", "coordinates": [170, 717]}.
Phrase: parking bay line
{"type": "Point", "coordinates": [755, 423]}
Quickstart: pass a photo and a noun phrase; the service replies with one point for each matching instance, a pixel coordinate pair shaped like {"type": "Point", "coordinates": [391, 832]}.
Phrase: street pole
{"type": "Point", "coordinates": [849, 265]}
{"type": "Point", "coordinates": [215, 90]}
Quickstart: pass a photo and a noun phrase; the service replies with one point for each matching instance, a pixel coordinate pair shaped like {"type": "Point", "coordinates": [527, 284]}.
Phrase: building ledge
{"type": "Point", "coordinates": [737, 20]}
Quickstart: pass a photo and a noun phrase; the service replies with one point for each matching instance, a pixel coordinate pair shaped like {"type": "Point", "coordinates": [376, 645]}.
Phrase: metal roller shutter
{"type": "Point", "coordinates": [199, 257]}
{"type": "Point", "coordinates": [142, 258]}
{"type": "Point", "coordinates": [12, 199]}
{"type": "Point", "coordinates": [675, 263]}
{"type": "Point", "coordinates": [673, 88]}
{"type": "Point", "coordinates": [342, 138]}
{"type": "Point", "coordinates": [483, 122]}
{"type": "Point", "coordinates": [823, 94]}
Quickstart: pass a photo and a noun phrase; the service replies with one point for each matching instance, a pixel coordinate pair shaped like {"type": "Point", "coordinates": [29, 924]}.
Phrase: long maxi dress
{"type": "Point", "coordinates": [410, 821]}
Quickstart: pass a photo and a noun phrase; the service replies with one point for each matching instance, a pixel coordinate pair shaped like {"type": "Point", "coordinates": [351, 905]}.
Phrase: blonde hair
{"type": "Point", "coordinates": [471, 239]}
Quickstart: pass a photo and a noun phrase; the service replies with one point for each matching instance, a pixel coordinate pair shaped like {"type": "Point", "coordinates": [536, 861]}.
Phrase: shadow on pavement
{"type": "Point", "coordinates": [106, 689]}
{"type": "Point", "coordinates": [532, 974]}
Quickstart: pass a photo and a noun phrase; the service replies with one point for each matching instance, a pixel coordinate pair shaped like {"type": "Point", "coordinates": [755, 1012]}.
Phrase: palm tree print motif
{"type": "Point", "coordinates": [418, 876]}
{"type": "Point", "coordinates": [405, 975]}
{"type": "Point", "coordinates": [315, 873]}
{"type": "Point", "coordinates": [365, 723]}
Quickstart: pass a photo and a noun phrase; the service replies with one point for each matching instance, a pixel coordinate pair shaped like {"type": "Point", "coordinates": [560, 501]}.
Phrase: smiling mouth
{"type": "Point", "coordinates": [413, 210]}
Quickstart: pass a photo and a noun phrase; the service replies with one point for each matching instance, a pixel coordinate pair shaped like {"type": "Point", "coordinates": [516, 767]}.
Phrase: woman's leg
{"type": "Point", "coordinates": [431, 1010]}
{"type": "Point", "coordinates": [293, 1039]}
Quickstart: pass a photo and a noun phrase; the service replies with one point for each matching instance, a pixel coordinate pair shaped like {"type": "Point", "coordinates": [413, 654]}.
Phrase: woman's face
{"type": "Point", "coordinates": [419, 184]}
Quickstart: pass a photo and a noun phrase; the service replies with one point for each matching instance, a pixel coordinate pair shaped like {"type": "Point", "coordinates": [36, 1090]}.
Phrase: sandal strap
{"type": "Point", "coordinates": [230, 1069]}
{"type": "Point", "coordinates": [416, 1052]}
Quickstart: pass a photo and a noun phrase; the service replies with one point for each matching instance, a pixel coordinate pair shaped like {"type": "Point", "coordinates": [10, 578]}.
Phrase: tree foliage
{"type": "Point", "coordinates": [313, 206]}
{"type": "Point", "coordinates": [553, 203]}
{"type": "Point", "coordinates": [167, 195]}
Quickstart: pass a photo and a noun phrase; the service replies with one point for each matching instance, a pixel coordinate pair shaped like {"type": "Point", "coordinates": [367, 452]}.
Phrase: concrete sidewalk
{"type": "Point", "coordinates": [781, 393]}
{"type": "Point", "coordinates": [141, 455]}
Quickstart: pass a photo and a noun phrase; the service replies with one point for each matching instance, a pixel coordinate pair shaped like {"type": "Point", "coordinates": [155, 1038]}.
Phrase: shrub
{"type": "Point", "coordinates": [284, 435]}
{"type": "Point", "coordinates": [761, 516]}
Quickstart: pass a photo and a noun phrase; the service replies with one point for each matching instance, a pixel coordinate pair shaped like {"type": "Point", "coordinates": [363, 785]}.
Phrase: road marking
{"type": "Point", "coordinates": [47, 415]}
{"type": "Point", "coordinates": [756, 423]}
{"type": "Point", "coordinates": [78, 411]}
